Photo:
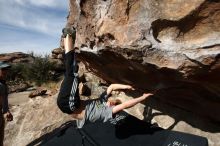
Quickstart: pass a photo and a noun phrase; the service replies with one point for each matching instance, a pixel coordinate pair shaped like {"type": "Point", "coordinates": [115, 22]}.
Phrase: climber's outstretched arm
{"type": "Point", "coordinates": [130, 103]}
{"type": "Point", "coordinates": [113, 87]}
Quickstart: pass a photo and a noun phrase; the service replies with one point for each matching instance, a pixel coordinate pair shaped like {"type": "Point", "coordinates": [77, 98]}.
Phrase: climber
{"type": "Point", "coordinates": [68, 100]}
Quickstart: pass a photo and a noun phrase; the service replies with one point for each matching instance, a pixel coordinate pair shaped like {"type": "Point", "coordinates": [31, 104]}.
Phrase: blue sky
{"type": "Point", "coordinates": [31, 25]}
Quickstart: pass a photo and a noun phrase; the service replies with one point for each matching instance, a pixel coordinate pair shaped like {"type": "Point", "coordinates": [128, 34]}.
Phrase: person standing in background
{"type": "Point", "coordinates": [4, 67]}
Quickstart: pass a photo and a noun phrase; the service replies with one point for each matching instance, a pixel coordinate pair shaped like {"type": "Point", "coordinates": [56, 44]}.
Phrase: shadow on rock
{"type": "Point", "coordinates": [177, 114]}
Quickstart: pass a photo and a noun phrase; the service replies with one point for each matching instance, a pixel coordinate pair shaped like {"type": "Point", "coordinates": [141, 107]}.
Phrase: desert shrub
{"type": "Point", "coordinates": [40, 71]}
{"type": "Point", "coordinates": [16, 73]}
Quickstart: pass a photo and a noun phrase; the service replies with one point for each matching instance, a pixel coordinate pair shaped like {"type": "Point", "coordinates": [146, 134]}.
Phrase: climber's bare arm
{"type": "Point", "coordinates": [130, 103]}
{"type": "Point", "coordinates": [114, 87]}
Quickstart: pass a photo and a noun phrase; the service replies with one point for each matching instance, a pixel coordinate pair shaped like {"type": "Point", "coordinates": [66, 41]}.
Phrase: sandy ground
{"type": "Point", "coordinates": [18, 98]}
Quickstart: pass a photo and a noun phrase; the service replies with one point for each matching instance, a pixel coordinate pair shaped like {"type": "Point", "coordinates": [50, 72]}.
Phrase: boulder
{"type": "Point", "coordinates": [38, 92]}
{"type": "Point", "coordinates": [16, 57]}
{"type": "Point", "coordinates": [22, 86]}
{"type": "Point", "coordinates": [54, 56]}
{"type": "Point", "coordinates": [60, 56]}
{"type": "Point", "coordinates": [169, 46]}
{"type": "Point", "coordinates": [57, 51]}
{"type": "Point", "coordinates": [33, 119]}
{"type": "Point", "coordinates": [84, 89]}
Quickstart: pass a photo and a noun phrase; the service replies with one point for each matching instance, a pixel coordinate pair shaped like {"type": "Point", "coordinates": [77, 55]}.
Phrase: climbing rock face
{"type": "Point", "coordinates": [169, 46]}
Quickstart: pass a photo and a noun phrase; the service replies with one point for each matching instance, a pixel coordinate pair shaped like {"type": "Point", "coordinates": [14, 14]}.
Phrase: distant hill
{"type": "Point", "coordinates": [17, 57]}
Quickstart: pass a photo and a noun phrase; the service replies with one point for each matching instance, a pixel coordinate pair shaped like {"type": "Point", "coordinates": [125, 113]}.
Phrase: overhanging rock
{"type": "Point", "coordinates": [172, 47]}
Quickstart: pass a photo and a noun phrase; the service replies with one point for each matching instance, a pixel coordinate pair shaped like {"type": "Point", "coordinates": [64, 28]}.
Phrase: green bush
{"type": "Point", "coordinates": [16, 73]}
{"type": "Point", "coordinates": [40, 71]}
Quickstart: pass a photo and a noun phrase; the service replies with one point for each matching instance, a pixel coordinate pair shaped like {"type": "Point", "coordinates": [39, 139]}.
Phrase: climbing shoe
{"type": "Point", "coordinates": [71, 31]}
